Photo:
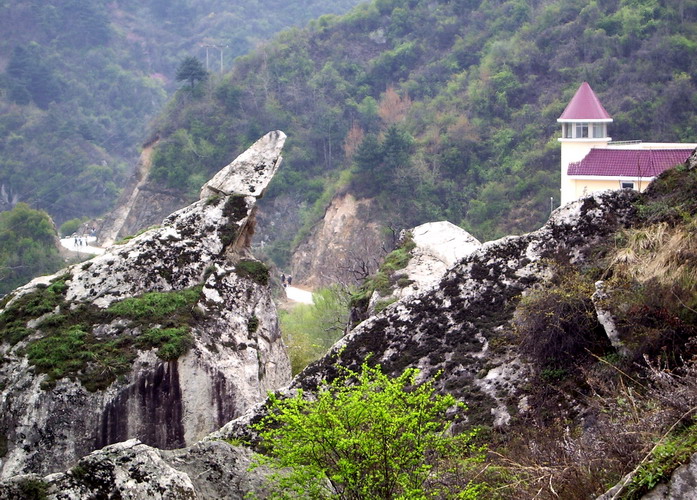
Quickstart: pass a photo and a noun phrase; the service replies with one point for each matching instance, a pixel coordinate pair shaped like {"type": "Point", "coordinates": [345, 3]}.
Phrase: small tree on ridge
{"type": "Point", "coordinates": [366, 436]}
{"type": "Point", "coordinates": [192, 71]}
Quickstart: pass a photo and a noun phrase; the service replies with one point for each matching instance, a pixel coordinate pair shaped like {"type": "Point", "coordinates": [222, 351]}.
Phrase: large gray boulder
{"type": "Point", "coordinates": [167, 380]}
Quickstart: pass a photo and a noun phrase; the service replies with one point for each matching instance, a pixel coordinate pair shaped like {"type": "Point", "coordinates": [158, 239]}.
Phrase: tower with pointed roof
{"type": "Point", "coordinates": [591, 163]}
{"type": "Point", "coordinates": [583, 127]}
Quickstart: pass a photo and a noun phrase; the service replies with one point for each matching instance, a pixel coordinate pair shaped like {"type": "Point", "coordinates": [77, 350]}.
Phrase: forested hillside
{"type": "Point", "coordinates": [80, 80]}
{"type": "Point", "coordinates": [440, 109]}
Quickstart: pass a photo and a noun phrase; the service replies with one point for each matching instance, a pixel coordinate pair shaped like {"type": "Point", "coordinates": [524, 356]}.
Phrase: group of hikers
{"type": "Point", "coordinates": [286, 280]}
{"type": "Point", "coordinates": [80, 241]}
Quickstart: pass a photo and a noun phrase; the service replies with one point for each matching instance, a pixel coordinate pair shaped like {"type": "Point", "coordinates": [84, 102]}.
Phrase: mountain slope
{"type": "Point", "coordinates": [440, 110]}
{"type": "Point", "coordinates": [80, 81]}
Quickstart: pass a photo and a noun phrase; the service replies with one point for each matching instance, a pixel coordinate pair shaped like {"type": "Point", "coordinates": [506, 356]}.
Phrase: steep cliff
{"type": "Point", "coordinates": [163, 338]}
{"type": "Point", "coordinates": [346, 241]}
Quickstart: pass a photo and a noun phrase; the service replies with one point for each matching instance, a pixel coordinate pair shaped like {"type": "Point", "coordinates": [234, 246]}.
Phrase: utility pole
{"type": "Point", "coordinates": [220, 48]}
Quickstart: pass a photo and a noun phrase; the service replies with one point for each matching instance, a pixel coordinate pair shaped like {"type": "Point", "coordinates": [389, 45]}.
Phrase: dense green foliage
{"type": "Point", "coordinates": [82, 80]}
{"type": "Point", "coordinates": [447, 109]}
{"type": "Point", "coordinates": [27, 246]}
{"type": "Point", "coordinates": [69, 347]}
{"type": "Point", "coordinates": [365, 435]}
{"type": "Point", "coordinates": [309, 330]}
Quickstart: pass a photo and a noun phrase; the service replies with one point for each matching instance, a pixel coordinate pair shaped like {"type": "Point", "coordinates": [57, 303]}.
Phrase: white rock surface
{"type": "Point", "coordinates": [439, 245]}
{"type": "Point", "coordinates": [237, 354]}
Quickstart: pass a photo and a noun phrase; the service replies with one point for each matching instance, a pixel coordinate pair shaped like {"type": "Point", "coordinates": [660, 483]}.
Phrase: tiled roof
{"type": "Point", "coordinates": [628, 162]}
{"type": "Point", "coordinates": [585, 105]}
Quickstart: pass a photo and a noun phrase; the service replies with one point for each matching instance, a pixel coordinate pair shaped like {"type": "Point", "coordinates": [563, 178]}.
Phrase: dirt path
{"type": "Point", "coordinates": [296, 294]}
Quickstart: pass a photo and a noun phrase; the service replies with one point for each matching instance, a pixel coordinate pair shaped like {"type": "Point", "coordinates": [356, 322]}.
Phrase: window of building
{"type": "Point", "coordinates": [598, 130]}
{"type": "Point", "coordinates": [568, 129]}
{"type": "Point", "coordinates": [581, 130]}
{"type": "Point", "coordinates": [626, 185]}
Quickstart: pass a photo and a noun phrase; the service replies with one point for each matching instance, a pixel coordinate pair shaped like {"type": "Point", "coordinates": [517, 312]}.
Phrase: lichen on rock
{"type": "Point", "coordinates": [151, 340]}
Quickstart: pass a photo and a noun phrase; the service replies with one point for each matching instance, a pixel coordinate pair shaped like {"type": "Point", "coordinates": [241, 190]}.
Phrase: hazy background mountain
{"type": "Point", "coordinates": [80, 80]}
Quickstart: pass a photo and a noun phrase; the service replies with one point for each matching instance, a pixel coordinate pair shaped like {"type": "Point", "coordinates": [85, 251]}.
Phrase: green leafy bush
{"type": "Point", "coordinates": [365, 435]}
{"type": "Point", "coordinates": [171, 342]}
{"type": "Point", "coordinates": [253, 270]}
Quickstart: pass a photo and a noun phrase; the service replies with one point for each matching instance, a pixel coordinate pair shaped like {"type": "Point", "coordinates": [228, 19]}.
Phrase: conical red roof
{"type": "Point", "coordinates": [585, 105]}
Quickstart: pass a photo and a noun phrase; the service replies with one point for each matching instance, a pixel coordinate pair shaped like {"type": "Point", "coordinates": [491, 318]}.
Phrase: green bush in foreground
{"type": "Point", "coordinates": [367, 435]}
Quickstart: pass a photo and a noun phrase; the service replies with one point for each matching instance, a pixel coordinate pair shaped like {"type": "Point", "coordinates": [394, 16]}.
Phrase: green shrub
{"type": "Point", "coordinates": [253, 270]}
{"type": "Point", "coordinates": [365, 435]}
{"type": "Point", "coordinates": [33, 489]}
{"type": "Point", "coordinates": [667, 456]}
{"type": "Point", "coordinates": [171, 342]}
{"type": "Point", "coordinates": [70, 226]}
{"type": "Point", "coordinates": [156, 306]}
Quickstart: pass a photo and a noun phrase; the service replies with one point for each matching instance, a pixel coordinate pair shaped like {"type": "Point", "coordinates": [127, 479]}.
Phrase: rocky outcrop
{"type": "Point", "coordinates": [207, 470]}
{"type": "Point", "coordinates": [437, 246]}
{"type": "Point", "coordinates": [346, 240]}
{"type": "Point", "coordinates": [462, 327]}
{"type": "Point", "coordinates": [164, 338]}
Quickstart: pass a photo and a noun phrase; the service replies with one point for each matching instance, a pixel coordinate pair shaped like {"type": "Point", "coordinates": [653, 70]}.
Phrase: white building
{"type": "Point", "coordinates": [591, 162]}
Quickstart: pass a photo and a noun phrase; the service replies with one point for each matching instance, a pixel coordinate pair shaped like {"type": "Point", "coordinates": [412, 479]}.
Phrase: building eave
{"type": "Point", "coordinates": [584, 120]}
{"type": "Point", "coordinates": [609, 178]}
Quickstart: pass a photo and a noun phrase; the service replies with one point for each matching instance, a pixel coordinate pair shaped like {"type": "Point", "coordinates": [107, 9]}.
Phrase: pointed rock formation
{"type": "Point", "coordinates": [163, 338]}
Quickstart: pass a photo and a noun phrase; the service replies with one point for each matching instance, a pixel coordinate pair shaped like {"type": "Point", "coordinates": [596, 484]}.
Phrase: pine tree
{"type": "Point", "coordinates": [191, 70]}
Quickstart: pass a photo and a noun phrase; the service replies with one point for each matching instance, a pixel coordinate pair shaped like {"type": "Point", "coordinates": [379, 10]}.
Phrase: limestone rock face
{"type": "Point", "coordinates": [462, 325]}
{"type": "Point", "coordinates": [339, 244]}
{"type": "Point", "coordinates": [129, 385]}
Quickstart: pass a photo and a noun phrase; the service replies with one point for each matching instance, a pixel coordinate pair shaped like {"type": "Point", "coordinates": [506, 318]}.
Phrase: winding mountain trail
{"type": "Point", "coordinates": [296, 294]}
